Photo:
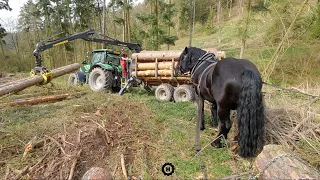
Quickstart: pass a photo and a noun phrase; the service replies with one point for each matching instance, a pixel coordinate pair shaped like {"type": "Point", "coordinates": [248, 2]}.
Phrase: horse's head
{"type": "Point", "coordinates": [188, 59]}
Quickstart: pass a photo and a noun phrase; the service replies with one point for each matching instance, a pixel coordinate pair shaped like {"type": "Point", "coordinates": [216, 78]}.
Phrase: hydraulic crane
{"type": "Point", "coordinates": [87, 36]}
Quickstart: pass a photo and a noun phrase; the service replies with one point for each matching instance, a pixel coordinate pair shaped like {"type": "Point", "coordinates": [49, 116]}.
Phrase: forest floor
{"type": "Point", "coordinates": [96, 129]}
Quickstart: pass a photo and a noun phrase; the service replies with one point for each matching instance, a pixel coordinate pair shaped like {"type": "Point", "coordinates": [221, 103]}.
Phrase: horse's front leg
{"type": "Point", "coordinates": [199, 123]}
{"type": "Point", "coordinates": [224, 128]}
{"type": "Point", "coordinates": [214, 115]}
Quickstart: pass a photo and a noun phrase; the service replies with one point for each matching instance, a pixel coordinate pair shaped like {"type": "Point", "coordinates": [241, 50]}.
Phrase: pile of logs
{"type": "Point", "coordinates": [155, 64]}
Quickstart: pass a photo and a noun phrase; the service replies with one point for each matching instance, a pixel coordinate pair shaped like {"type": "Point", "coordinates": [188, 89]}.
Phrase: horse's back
{"type": "Point", "coordinates": [235, 66]}
{"type": "Point", "coordinates": [227, 79]}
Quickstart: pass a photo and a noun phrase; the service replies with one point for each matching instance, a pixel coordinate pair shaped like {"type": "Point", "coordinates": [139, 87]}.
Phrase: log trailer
{"type": "Point", "coordinates": [157, 69]}
{"type": "Point", "coordinates": [104, 71]}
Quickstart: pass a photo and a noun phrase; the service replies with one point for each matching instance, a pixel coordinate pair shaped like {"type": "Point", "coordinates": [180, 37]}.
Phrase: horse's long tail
{"type": "Point", "coordinates": [250, 115]}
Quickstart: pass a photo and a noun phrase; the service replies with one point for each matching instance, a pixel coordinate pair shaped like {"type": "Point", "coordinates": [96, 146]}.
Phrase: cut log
{"type": "Point", "coordinates": [180, 78]}
{"type": "Point", "coordinates": [286, 166]}
{"type": "Point", "coordinates": [151, 66]}
{"type": "Point", "coordinates": [160, 55]}
{"type": "Point", "coordinates": [173, 81]}
{"type": "Point", "coordinates": [150, 73]}
{"type": "Point", "coordinates": [13, 87]}
{"type": "Point", "coordinates": [37, 100]}
{"type": "Point", "coordinates": [150, 56]}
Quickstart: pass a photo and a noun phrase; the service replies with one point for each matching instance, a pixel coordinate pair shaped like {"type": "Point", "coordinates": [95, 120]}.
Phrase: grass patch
{"type": "Point", "coordinates": [176, 121]}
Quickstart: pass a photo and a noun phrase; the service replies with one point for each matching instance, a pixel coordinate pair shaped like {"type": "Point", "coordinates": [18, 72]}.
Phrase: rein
{"type": "Point", "coordinates": [209, 57]}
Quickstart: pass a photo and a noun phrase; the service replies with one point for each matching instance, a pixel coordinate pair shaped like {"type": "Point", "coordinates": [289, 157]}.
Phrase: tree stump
{"type": "Point", "coordinates": [285, 166]}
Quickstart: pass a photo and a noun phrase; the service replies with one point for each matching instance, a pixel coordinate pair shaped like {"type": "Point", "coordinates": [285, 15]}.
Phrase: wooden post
{"type": "Point", "coordinates": [136, 68]}
{"type": "Point", "coordinates": [156, 68]}
{"type": "Point", "coordinates": [172, 68]}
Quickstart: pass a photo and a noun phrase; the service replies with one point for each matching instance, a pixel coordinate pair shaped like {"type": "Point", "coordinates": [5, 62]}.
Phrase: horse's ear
{"type": "Point", "coordinates": [186, 50]}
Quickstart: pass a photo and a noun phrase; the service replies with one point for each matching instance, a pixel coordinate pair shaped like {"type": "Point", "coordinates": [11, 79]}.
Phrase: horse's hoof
{"type": "Point", "coordinates": [217, 143]}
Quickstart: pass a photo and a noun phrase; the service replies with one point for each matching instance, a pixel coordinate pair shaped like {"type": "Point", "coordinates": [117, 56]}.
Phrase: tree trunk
{"type": "Point", "coordinates": [31, 81]}
{"type": "Point", "coordinates": [168, 46]}
{"type": "Point", "coordinates": [230, 8]}
{"type": "Point", "coordinates": [218, 18]}
{"type": "Point", "coordinates": [103, 22]}
{"type": "Point", "coordinates": [190, 23]}
{"type": "Point", "coordinates": [124, 25]}
{"type": "Point", "coordinates": [1, 45]}
{"type": "Point", "coordinates": [114, 23]}
{"type": "Point", "coordinates": [244, 34]}
{"type": "Point", "coordinates": [128, 22]}
{"type": "Point", "coordinates": [194, 16]}
{"type": "Point", "coordinates": [240, 10]}
{"type": "Point", "coordinates": [286, 166]}
{"type": "Point", "coordinates": [157, 25]}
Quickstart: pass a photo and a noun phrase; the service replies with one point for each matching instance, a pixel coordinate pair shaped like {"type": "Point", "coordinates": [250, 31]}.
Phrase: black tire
{"type": "Point", "coordinates": [73, 79]}
{"type": "Point", "coordinates": [164, 92]}
{"type": "Point", "coordinates": [100, 80]}
{"type": "Point", "coordinates": [184, 93]}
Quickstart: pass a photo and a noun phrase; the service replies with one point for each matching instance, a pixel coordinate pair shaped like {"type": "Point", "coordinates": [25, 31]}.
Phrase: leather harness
{"type": "Point", "coordinates": [209, 57]}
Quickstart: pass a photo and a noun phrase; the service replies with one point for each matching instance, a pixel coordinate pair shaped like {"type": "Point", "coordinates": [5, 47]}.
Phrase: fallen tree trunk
{"type": "Point", "coordinates": [152, 66]}
{"type": "Point", "coordinates": [275, 163]}
{"type": "Point", "coordinates": [19, 85]}
{"type": "Point", "coordinates": [37, 100]}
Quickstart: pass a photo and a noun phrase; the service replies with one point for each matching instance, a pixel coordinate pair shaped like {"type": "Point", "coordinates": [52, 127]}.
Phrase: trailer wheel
{"type": "Point", "coordinates": [184, 93]}
{"type": "Point", "coordinates": [100, 79]}
{"type": "Point", "coordinates": [164, 92]}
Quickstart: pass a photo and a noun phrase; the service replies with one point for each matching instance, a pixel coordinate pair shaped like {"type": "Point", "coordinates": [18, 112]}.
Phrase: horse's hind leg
{"type": "Point", "coordinates": [224, 128]}
{"type": "Point", "coordinates": [214, 113]}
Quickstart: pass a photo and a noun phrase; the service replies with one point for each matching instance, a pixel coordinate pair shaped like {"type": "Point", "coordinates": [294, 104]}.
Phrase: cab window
{"type": "Point", "coordinates": [98, 57]}
{"type": "Point", "coordinates": [114, 59]}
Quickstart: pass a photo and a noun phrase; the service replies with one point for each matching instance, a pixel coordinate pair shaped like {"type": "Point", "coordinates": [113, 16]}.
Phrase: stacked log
{"type": "Point", "coordinates": [161, 65]}
{"type": "Point", "coordinates": [151, 66]}
{"type": "Point", "coordinates": [147, 56]}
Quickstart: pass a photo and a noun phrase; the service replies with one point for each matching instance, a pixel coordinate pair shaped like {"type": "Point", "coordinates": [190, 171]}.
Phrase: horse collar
{"type": "Point", "coordinates": [210, 57]}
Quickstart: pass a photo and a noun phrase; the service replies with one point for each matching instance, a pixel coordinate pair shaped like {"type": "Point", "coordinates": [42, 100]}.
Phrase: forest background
{"type": "Point", "coordinates": [279, 36]}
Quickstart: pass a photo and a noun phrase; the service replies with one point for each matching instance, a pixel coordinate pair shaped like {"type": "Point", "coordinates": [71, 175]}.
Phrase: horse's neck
{"type": "Point", "coordinates": [195, 77]}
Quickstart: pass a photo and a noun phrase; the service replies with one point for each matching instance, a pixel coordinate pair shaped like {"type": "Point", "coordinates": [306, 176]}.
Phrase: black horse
{"type": "Point", "coordinates": [229, 84]}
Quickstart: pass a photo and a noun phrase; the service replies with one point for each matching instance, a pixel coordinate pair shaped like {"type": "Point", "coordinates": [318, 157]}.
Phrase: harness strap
{"type": "Point", "coordinates": [209, 57]}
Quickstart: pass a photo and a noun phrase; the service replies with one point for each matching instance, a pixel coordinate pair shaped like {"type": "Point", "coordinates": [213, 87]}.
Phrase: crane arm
{"type": "Point", "coordinates": [87, 36]}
